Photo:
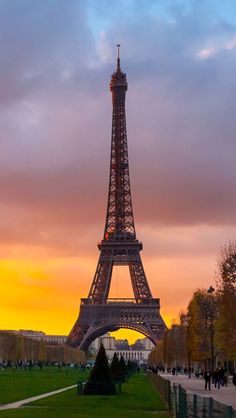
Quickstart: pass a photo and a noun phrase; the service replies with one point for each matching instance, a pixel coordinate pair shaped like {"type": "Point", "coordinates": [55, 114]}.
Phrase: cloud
{"type": "Point", "coordinates": [207, 52]}
{"type": "Point", "coordinates": [38, 40]}
{"type": "Point", "coordinates": [56, 117]}
{"type": "Point", "coordinates": [210, 51]}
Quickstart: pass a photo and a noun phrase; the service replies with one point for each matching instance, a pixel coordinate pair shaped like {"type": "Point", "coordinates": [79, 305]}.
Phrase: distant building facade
{"type": "Point", "coordinates": [40, 335]}
{"type": "Point", "coordinates": [139, 351]}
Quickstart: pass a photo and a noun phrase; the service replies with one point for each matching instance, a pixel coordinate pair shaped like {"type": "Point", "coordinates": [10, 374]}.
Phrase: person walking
{"type": "Point", "coordinates": [222, 376]}
{"type": "Point", "coordinates": [234, 378]}
{"type": "Point", "coordinates": [207, 378]}
{"type": "Point", "coordinates": [216, 378]}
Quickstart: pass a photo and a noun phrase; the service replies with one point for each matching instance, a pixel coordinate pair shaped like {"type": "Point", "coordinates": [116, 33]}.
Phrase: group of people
{"type": "Point", "coordinates": [155, 369]}
{"type": "Point", "coordinates": [218, 378]}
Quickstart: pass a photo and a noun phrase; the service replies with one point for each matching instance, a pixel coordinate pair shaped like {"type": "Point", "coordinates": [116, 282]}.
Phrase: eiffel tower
{"type": "Point", "coordinates": [119, 246]}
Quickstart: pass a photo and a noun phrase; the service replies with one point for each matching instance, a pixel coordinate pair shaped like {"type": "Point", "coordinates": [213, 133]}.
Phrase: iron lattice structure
{"type": "Point", "coordinates": [119, 246]}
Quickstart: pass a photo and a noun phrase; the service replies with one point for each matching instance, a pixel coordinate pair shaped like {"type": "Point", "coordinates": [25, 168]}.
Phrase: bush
{"type": "Point", "coordinates": [116, 369]}
{"type": "Point", "coordinates": [99, 381]}
{"type": "Point", "coordinates": [123, 368]}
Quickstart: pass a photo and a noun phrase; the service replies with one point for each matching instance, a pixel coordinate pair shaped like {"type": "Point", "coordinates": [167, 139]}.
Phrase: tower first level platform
{"type": "Point", "coordinates": [96, 319]}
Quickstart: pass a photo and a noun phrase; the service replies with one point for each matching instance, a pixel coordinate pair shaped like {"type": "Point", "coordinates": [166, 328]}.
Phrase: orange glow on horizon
{"type": "Point", "coordinates": [43, 293]}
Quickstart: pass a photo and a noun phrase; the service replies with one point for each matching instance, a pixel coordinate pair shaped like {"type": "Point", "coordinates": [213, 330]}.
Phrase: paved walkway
{"type": "Point", "coordinates": [18, 404]}
{"type": "Point", "coordinates": [226, 394]}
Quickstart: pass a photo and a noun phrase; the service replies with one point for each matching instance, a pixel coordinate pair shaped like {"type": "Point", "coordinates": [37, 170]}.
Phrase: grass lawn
{"type": "Point", "coordinates": [137, 400]}
{"type": "Point", "coordinates": [20, 384]}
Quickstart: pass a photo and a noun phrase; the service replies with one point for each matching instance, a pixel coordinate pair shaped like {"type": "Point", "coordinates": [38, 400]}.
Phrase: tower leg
{"type": "Point", "coordinates": [138, 279]}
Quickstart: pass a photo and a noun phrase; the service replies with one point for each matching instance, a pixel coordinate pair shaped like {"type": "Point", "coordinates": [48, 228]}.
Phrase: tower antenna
{"type": "Point", "coordinates": [118, 57]}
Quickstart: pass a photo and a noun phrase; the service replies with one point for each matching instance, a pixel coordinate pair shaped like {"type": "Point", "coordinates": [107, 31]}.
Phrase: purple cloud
{"type": "Point", "coordinates": [55, 117]}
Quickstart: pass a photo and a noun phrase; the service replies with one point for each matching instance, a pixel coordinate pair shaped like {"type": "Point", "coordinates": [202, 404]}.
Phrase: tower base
{"type": "Point", "coordinates": [97, 319]}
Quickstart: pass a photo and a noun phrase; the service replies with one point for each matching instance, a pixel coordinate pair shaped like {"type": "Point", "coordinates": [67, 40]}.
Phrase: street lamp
{"type": "Point", "coordinates": [188, 317]}
{"type": "Point", "coordinates": [189, 364]}
{"type": "Point", "coordinates": [210, 291]}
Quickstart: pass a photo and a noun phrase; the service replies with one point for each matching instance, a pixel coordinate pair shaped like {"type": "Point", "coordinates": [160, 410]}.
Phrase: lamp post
{"type": "Point", "coordinates": [189, 364]}
{"type": "Point", "coordinates": [188, 316]}
{"type": "Point", "coordinates": [210, 291]}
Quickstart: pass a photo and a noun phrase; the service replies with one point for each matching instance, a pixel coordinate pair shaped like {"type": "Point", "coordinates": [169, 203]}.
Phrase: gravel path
{"type": "Point", "coordinates": [18, 404]}
{"type": "Point", "coordinates": [226, 394]}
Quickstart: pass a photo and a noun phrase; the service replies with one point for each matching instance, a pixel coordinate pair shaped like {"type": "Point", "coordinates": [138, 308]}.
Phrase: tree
{"type": "Point", "coordinates": [227, 265]}
{"type": "Point", "coordinates": [42, 353]}
{"type": "Point", "coordinates": [171, 350]}
{"type": "Point", "coordinates": [131, 367]}
{"type": "Point", "coordinates": [99, 381]}
{"type": "Point", "coordinates": [157, 355]}
{"type": "Point", "coordinates": [15, 347]}
{"type": "Point", "coordinates": [116, 369]}
{"type": "Point", "coordinates": [20, 340]}
{"type": "Point", "coordinates": [226, 289]}
{"type": "Point", "coordinates": [123, 368]}
{"type": "Point", "coordinates": [202, 315]}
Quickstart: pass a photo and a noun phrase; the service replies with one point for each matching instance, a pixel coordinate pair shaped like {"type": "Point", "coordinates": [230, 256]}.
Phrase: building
{"type": "Point", "coordinates": [139, 351]}
{"type": "Point", "coordinates": [122, 345]}
{"type": "Point", "coordinates": [107, 340]}
{"type": "Point", "coordinates": [143, 344]}
{"type": "Point", "coordinates": [40, 335]}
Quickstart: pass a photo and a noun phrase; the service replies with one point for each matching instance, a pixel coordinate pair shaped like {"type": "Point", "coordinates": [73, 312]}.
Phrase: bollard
{"type": "Point", "coordinates": [210, 408]}
{"type": "Point", "coordinates": [194, 405]}
{"type": "Point", "coordinates": [229, 412]}
{"type": "Point", "coordinates": [79, 387]}
{"type": "Point", "coordinates": [175, 398]}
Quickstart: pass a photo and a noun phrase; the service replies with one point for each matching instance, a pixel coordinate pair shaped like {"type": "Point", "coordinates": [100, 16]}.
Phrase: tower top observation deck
{"type": "Point", "coordinates": [118, 84]}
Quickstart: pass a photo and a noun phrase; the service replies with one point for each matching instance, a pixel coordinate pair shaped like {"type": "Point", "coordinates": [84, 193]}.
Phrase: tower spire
{"type": "Point", "coordinates": [118, 58]}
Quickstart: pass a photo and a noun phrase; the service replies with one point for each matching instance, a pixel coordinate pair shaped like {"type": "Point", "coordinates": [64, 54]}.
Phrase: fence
{"type": "Point", "coordinates": [190, 405]}
{"type": "Point", "coordinates": [164, 388]}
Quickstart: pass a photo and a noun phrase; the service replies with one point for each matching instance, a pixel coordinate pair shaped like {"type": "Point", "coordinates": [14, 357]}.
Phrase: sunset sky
{"type": "Point", "coordinates": [56, 60]}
